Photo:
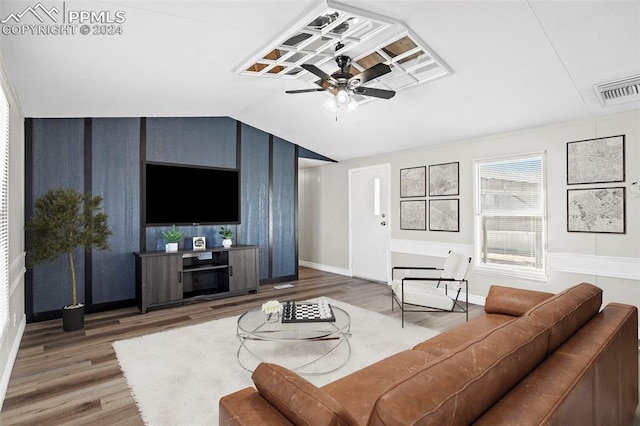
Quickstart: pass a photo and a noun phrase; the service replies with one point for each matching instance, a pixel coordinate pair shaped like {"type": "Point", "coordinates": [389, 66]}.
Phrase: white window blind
{"type": "Point", "coordinates": [510, 214]}
{"type": "Point", "coordinates": [4, 214]}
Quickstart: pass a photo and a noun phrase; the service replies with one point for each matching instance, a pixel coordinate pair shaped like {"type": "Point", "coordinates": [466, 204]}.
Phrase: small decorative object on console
{"type": "Point", "coordinates": [226, 233]}
{"type": "Point", "coordinates": [199, 243]}
{"type": "Point", "coordinates": [173, 237]}
{"type": "Point", "coordinates": [308, 312]}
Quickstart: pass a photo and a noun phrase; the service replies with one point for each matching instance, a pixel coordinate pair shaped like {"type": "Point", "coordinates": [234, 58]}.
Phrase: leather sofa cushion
{"type": "Point", "coordinates": [567, 311]}
{"type": "Point", "coordinates": [459, 387]}
{"type": "Point", "coordinates": [359, 391]}
{"type": "Point", "coordinates": [512, 301]}
{"type": "Point", "coordinates": [298, 400]}
{"type": "Point", "coordinates": [592, 379]}
{"type": "Point", "coordinates": [445, 342]}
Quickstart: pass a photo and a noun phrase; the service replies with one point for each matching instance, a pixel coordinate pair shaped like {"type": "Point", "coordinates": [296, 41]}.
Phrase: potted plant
{"type": "Point", "coordinates": [173, 237]}
{"type": "Point", "coordinates": [226, 233]}
{"type": "Point", "coordinates": [63, 220]}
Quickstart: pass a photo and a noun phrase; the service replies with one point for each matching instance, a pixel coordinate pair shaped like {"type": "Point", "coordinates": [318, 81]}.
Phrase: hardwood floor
{"type": "Point", "coordinates": [74, 378]}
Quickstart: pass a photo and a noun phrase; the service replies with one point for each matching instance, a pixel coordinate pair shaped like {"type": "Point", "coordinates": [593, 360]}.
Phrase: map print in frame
{"type": "Point", "coordinates": [599, 210]}
{"type": "Point", "coordinates": [413, 182]}
{"type": "Point", "coordinates": [413, 215]}
{"type": "Point", "coordinates": [443, 179]}
{"type": "Point", "coordinates": [444, 215]}
{"type": "Point", "coordinates": [595, 160]}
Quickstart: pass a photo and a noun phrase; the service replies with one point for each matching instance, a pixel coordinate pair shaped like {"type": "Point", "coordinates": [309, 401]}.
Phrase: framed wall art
{"type": "Point", "coordinates": [443, 179]}
{"type": "Point", "coordinates": [600, 210]}
{"type": "Point", "coordinates": [595, 160]}
{"type": "Point", "coordinates": [413, 215]}
{"type": "Point", "coordinates": [444, 215]}
{"type": "Point", "coordinates": [413, 182]}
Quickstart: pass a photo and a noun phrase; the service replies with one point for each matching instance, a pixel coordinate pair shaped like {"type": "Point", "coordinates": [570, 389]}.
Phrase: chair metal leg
{"type": "Point", "coordinates": [467, 300]}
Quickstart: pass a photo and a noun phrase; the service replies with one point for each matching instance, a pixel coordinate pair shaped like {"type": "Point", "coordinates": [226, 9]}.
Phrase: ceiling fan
{"type": "Point", "coordinates": [343, 84]}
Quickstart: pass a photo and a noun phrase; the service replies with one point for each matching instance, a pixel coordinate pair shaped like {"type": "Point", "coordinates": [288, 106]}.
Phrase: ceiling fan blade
{"type": "Point", "coordinates": [375, 71]}
{"type": "Point", "coordinates": [303, 91]}
{"type": "Point", "coordinates": [376, 93]}
{"type": "Point", "coordinates": [318, 72]}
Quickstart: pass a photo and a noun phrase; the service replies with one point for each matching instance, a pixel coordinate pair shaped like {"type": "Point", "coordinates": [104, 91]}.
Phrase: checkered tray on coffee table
{"type": "Point", "coordinates": [307, 312]}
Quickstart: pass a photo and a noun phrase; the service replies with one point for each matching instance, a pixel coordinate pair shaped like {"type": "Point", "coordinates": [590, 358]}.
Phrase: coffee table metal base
{"type": "Point", "coordinates": [306, 348]}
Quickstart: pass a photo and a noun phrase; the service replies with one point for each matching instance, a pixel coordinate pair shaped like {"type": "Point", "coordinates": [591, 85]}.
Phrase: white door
{"type": "Point", "coordinates": [369, 220]}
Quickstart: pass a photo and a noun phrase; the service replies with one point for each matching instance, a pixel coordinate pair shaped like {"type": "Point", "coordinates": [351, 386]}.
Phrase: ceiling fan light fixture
{"type": "Point", "coordinates": [331, 103]}
{"type": "Point", "coordinates": [342, 97]}
{"type": "Point", "coordinates": [352, 105]}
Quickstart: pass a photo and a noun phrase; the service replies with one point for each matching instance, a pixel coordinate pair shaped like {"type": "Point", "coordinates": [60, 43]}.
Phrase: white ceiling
{"type": "Point", "coordinates": [516, 64]}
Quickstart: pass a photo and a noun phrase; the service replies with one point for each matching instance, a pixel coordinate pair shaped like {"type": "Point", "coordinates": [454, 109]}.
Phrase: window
{"type": "Point", "coordinates": [4, 213]}
{"type": "Point", "coordinates": [510, 221]}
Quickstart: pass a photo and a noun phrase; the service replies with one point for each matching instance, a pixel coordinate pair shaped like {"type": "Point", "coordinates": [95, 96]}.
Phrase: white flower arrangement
{"type": "Point", "coordinates": [272, 307]}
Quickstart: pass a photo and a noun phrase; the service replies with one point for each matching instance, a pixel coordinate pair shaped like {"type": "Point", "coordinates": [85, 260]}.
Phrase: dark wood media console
{"type": "Point", "coordinates": [168, 279]}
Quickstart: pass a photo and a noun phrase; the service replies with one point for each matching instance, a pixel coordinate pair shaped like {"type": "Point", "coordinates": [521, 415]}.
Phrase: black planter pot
{"type": "Point", "coordinates": [73, 318]}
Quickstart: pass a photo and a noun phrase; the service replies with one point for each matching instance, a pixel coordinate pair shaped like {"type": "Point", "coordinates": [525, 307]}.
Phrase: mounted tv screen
{"type": "Point", "coordinates": [188, 195]}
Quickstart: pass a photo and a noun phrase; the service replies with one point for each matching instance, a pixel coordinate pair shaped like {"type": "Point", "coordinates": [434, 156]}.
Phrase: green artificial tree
{"type": "Point", "coordinates": [64, 219]}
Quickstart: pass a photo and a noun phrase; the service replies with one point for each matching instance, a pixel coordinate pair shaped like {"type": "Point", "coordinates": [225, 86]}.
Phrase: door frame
{"type": "Point", "coordinates": [386, 167]}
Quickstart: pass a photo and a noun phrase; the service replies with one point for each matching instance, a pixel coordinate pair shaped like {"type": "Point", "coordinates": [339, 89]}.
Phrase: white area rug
{"type": "Point", "coordinates": [177, 377]}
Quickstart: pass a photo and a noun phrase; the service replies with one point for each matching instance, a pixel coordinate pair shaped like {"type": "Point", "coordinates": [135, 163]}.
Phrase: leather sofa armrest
{"type": "Point", "coordinates": [297, 399]}
{"type": "Point", "coordinates": [512, 301]}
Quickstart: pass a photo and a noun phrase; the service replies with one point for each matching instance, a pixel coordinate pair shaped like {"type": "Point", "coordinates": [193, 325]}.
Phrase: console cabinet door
{"type": "Point", "coordinates": [163, 278]}
{"type": "Point", "coordinates": [243, 270]}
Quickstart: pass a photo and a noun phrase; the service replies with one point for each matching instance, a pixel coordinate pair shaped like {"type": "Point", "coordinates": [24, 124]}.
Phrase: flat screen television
{"type": "Point", "coordinates": [191, 195]}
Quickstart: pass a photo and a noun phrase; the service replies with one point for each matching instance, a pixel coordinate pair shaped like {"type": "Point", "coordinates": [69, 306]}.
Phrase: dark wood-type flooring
{"type": "Point", "coordinates": [74, 377]}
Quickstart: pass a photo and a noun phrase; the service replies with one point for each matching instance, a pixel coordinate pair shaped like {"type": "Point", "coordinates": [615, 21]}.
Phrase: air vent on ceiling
{"type": "Point", "coordinates": [619, 91]}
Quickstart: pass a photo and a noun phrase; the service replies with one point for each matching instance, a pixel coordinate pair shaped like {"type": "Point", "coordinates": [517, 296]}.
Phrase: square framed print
{"type": "Point", "coordinates": [199, 243]}
{"type": "Point", "coordinates": [413, 182]}
{"type": "Point", "coordinates": [413, 215]}
{"type": "Point", "coordinates": [444, 215]}
{"type": "Point", "coordinates": [595, 160]}
{"type": "Point", "coordinates": [443, 179]}
{"type": "Point", "coordinates": [599, 210]}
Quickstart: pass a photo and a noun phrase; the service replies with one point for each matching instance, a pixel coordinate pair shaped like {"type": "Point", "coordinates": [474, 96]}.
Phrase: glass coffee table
{"type": "Point", "coordinates": [308, 348]}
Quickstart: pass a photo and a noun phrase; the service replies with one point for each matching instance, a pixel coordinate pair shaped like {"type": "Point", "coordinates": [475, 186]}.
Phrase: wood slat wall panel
{"type": "Point", "coordinates": [254, 229]}
{"type": "Point", "coordinates": [116, 173]}
{"type": "Point", "coordinates": [58, 162]}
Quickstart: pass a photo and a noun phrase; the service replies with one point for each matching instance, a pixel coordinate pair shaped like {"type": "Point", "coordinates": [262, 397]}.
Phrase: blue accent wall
{"type": "Point", "coordinates": [116, 177]}
{"type": "Point", "coordinates": [108, 160]}
{"type": "Point", "coordinates": [254, 183]}
{"type": "Point", "coordinates": [201, 141]}
{"type": "Point", "coordinates": [283, 260]}
{"type": "Point", "coordinates": [58, 161]}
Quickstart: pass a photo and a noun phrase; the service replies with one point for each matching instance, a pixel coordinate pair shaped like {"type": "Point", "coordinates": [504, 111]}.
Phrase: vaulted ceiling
{"type": "Point", "coordinates": [514, 65]}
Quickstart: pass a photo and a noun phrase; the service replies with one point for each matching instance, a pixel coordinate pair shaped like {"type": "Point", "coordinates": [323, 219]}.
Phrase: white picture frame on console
{"type": "Point", "coordinates": [199, 243]}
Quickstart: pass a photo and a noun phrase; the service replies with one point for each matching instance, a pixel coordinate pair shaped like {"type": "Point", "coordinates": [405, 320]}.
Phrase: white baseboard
{"type": "Point", "coordinates": [13, 353]}
{"type": "Point", "coordinates": [325, 268]}
{"type": "Point", "coordinates": [476, 300]}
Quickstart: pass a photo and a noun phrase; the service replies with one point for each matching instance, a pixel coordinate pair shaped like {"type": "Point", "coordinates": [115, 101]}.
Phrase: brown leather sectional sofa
{"type": "Point", "coordinates": [532, 358]}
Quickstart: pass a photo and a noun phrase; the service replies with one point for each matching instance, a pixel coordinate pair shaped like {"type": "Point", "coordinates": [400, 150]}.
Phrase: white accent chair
{"type": "Point", "coordinates": [414, 291]}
